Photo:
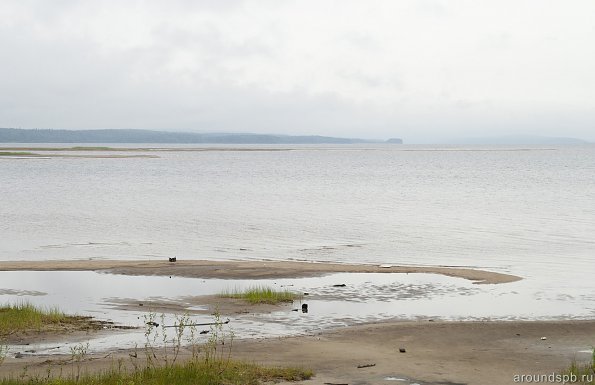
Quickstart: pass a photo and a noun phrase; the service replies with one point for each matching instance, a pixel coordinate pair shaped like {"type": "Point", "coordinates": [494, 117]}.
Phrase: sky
{"type": "Point", "coordinates": [422, 70]}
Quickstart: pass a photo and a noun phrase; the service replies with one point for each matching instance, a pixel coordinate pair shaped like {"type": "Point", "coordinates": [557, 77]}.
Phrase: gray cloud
{"type": "Point", "coordinates": [420, 70]}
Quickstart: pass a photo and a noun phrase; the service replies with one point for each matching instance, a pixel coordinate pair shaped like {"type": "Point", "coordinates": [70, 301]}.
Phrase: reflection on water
{"type": "Point", "coordinates": [365, 297]}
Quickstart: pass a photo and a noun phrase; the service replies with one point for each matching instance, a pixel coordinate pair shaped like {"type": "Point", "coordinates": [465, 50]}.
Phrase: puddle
{"type": "Point", "coordinates": [365, 297]}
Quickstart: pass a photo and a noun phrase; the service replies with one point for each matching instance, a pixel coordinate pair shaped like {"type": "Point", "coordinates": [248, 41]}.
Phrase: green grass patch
{"type": "Point", "coordinates": [582, 374]}
{"type": "Point", "coordinates": [262, 294]}
{"type": "Point", "coordinates": [25, 316]}
{"type": "Point", "coordinates": [194, 372]}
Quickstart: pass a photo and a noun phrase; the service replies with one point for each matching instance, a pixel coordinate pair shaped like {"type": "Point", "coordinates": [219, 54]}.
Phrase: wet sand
{"type": "Point", "coordinates": [247, 269]}
{"type": "Point", "coordinates": [436, 352]}
{"type": "Point", "coordinates": [479, 353]}
{"type": "Point", "coordinates": [204, 304]}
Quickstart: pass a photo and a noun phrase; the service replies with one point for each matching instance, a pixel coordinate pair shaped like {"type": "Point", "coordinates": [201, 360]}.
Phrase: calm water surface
{"type": "Point", "coordinates": [529, 211]}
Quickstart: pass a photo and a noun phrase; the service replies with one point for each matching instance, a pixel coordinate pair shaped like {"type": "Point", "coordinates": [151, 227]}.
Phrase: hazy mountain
{"type": "Point", "coordinates": [14, 135]}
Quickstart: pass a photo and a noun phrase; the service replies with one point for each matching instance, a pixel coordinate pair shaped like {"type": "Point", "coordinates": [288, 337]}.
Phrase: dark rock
{"type": "Point", "coordinates": [173, 259]}
{"type": "Point", "coordinates": [340, 285]}
{"type": "Point", "coordinates": [304, 308]}
{"type": "Point", "coordinates": [402, 350]}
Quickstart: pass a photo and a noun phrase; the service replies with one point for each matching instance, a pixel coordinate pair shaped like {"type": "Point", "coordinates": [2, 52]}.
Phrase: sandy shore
{"type": "Point", "coordinates": [436, 352]}
{"type": "Point", "coordinates": [489, 353]}
{"type": "Point", "coordinates": [247, 269]}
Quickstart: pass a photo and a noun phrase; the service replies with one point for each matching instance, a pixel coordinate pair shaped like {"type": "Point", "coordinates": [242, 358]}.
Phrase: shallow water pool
{"type": "Point", "coordinates": [365, 297]}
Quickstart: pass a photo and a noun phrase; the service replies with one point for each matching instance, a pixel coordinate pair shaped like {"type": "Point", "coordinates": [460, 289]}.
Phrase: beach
{"type": "Point", "coordinates": [486, 353]}
{"type": "Point", "coordinates": [435, 351]}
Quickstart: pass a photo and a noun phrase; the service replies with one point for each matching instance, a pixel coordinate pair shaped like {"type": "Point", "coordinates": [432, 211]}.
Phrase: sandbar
{"type": "Point", "coordinates": [247, 269]}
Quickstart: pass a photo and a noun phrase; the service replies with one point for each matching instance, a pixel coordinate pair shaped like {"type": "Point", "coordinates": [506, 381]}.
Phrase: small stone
{"type": "Point", "coordinates": [402, 350]}
{"type": "Point", "coordinates": [543, 338]}
{"type": "Point", "coordinates": [18, 355]}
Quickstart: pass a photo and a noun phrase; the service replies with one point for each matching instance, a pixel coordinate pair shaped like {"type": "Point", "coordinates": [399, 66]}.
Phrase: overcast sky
{"type": "Point", "coordinates": [422, 70]}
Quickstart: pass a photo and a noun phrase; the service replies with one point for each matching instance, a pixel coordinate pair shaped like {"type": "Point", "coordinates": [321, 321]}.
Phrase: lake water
{"type": "Point", "coordinates": [528, 211]}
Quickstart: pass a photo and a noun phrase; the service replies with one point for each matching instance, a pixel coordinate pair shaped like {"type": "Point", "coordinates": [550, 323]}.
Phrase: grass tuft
{"type": "Point", "coordinates": [213, 366]}
{"type": "Point", "coordinates": [191, 373]}
{"type": "Point", "coordinates": [26, 316]}
{"type": "Point", "coordinates": [262, 294]}
{"type": "Point", "coordinates": [582, 374]}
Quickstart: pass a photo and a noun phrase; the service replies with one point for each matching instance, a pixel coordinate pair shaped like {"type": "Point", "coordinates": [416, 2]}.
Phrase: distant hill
{"type": "Point", "coordinates": [15, 135]}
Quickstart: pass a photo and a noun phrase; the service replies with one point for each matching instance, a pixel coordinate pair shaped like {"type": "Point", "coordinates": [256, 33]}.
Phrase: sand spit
{"type": "Point", "coordinates": [247, 269]}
